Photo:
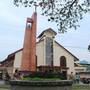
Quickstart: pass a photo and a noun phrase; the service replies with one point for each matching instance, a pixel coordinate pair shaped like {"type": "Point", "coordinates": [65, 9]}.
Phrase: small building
{"type": "Point", "coordinates": [83, 70]}
{"type": "Point", "coordinates": [49, 55]}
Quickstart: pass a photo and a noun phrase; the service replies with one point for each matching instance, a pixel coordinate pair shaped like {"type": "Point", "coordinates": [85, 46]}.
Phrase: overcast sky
{"type": "Point", "coordinates": [12, 28]}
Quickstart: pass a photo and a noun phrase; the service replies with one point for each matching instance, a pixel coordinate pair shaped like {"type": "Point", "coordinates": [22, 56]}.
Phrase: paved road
{"type": "Point", "coordinates": [2, 82]}
{"type": "Point", "coordinates": [4, 89]}
{"type": "Point", "coordinates": [3, 86]}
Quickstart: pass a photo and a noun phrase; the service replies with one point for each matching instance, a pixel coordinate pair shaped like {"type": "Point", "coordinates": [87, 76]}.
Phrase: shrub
{"type": "Point", "coordinates": [44, 75]}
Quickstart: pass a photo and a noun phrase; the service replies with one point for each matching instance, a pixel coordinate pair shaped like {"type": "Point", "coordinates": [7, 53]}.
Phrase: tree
{"type": "Point", "coordinates": [65, 13]}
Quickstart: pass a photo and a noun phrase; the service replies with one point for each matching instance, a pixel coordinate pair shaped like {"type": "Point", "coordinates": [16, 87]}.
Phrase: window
{"type": "Point", "coordinates": [63, 61]}
{"type": "Point", "coordinates": [49, 51]}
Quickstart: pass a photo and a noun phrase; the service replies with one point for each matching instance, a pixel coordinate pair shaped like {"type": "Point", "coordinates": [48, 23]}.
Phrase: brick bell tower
{"type": "Point", "coordinates": [29, 47]}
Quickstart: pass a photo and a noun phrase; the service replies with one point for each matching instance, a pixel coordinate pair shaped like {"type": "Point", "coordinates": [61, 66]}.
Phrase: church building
{"type": "Point", "coordinates": [49, 53]}
{"type": "Point", "coordinates": [43, 55]}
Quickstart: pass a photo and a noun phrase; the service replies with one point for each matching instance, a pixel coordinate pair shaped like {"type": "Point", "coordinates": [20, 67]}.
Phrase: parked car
{"type": "Point", "coordinates": [85, 80]}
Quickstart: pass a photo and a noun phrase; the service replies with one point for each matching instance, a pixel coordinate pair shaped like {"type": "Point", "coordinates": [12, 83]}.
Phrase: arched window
{"type": "Point", "coordinates": [63, 61]}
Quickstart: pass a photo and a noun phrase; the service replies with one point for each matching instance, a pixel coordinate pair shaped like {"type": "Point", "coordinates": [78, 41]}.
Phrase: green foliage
{"type": "Point", "coordinates": [65, 13]}
{"type": "Point", "coordinates": [39, 78]}
{"type": "Point", "coordinates": [43, 76]}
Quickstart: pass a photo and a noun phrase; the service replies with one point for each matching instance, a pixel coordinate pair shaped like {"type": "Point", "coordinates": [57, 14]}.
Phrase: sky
{"type": "Point", "coordinates": [12, 29]}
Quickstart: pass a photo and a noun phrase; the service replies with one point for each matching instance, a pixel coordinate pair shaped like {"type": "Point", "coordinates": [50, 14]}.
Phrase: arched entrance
{"type": "Point", "coordinates": [63, 66]}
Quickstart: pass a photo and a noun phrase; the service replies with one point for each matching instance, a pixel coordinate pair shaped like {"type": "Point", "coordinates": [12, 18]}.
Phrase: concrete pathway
{"type": "Point", "coordinates": [2, 82]}
{"type": "Point", "coordinates": [3, 86]}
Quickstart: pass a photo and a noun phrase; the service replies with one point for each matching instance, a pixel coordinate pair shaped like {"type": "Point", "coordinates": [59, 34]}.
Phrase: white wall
{"type": "Point", "coordinates": [80, 69]}
{"type": "Point", "coordinates": [58, 52]}
{"type": "Point", "coordinates": [17, 61]}
{"type": "Point", "coordinates": [40, 52]}
{"type": "Point", "coordinates": [49, 34]}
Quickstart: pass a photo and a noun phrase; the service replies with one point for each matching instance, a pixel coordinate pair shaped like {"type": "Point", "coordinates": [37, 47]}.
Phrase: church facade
{"type": "Point", "coordinates": [49, 55]}
{"type": "Point", "coordinates": [44, 55]}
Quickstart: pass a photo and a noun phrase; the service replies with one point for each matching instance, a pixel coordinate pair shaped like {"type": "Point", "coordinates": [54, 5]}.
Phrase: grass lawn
{"type": "Point", "coordinates": [81, 87]}
{"type": "Point", "coordinates": [4, 87]}
{"type": "Point", "coordinates": [74, 87]}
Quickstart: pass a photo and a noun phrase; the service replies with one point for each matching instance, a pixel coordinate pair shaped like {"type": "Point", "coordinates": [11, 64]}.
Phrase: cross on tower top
{"type": "Point", "coordinates": [35, 4]}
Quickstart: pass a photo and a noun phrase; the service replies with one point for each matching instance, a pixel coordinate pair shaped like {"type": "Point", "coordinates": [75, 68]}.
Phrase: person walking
{"type": "Point", "coordinates": [77, 78]}
{"type": "Point", "coordinates": [71, 76]}
{"type": "Point", "coordinates": [16, 75]}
